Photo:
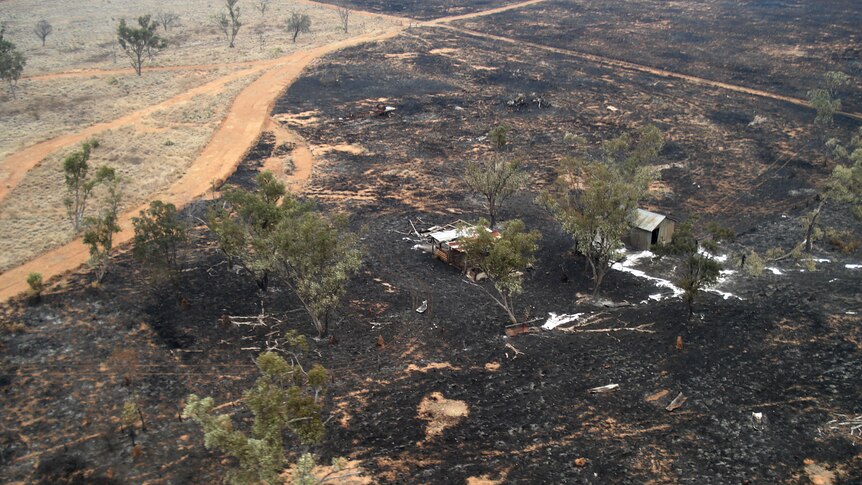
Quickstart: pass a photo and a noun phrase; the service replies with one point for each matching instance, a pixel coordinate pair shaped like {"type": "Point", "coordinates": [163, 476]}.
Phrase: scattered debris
{"type": "Point", "coordinates": [853, 425]}
{"type": "Point", "coordinates": [757, 121]}
{"type": "Point", "coordinates": [678, 342]}
{"type": "Point", "coordinates": [655, 397]}
{"type": "Point", "coordinates": [516, 351]}
{"type": "Point", "coordinates": [677, 402]}
{"type": "Point", "coordinates": [555, 320]}
{"type": "Point", "coordinates": [519, 101]}
{"type": "Point", "coordinates": [602, 389]}
{"type": "Point", "coordinates": [423, 308]}
{"type": "Point", "coordinates": [519, 329]}
{"type": "Point", "coordinates": [382, 110]}
{"type": "Point", "coordinates": [758, 420]}
{"type": "Point", "coordinates": [581, 462]}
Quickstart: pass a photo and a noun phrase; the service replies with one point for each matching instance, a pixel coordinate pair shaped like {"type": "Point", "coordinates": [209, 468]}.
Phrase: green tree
{"type": "Point", "coordinates": [12, 63]}
{"type": "Point", "coordinates": [699, 269]}
{"type": "Point", "coordinates": [245, 225]}
{"type": "Point", "coordinates": [316, 256]}
{"type": "Point", "coordinates": [699, 272]}
{"type": "Point", "coordinates": [229, 22]}
{"type": "Point", "coordinates": [285, 396]}
{"type": "Point", "coordinates": [503, 257]}
{"type": "Point", "coordinates": [845, 184]}
{"type": "Point", "coordinates": [79, 185]}
{"type": "Point", "coordinates": [496, 181]}
{"type": "Point", "coordinates": [160, 233]}
{"type": "Point", "coordinates": [141, 42]}
{"type": "Point", "coordinates": [272, 232]}
{"type": "Point", "coordinates": [99, 231]}
{"type": "Point", "coordinates": [825, 99]}
{"type": "Point", "coordinates": [594, 198]}
{"type": "Point", "coordinates": [131, 414]}
{"type": "Point", "coordinates": [298, 24]}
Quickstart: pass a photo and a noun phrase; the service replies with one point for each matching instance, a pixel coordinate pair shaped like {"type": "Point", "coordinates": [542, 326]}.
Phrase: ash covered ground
{"type": "Point", "coordinates": [786, 345]}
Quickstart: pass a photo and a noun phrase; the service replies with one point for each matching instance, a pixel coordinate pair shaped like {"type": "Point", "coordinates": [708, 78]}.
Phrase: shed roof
{"type": "Point", "coordinates": [451, 234]}
{"type": "Point", "coordinates": [647, 220]}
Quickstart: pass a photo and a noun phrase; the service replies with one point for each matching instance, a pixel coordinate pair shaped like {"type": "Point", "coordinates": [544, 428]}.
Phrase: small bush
{"type": "Point", "coordinates": [499, 136]}
{"type": "Point", "coordinates": [721, 233]}
{"type": "Point", "coordinates": [14, 327]}
{"type": "Point", "coordinates": [754, 264]}
{"type": "Point", "coordinates": [843, 241]}
{"type": "Point", "coordinates": [34, 281]}
{"type": "Point", "coordinates": [169, 143]}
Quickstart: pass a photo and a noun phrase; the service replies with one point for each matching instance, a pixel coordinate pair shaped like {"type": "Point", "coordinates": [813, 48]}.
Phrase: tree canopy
{"type": "Point", "coordinates": [504, 257]}
{"type": "Point", "coordinates": [594, 197]}
{"type": "Point", "coordinates": [140, 42]}
{"type": "Point", "coordinates": [12, 62]}
{"type": "Point", "coordinates": [272, 232]}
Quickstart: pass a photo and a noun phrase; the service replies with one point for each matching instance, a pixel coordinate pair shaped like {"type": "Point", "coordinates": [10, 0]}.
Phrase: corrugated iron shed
{"type": "Point", "coordinates": [647, 220]}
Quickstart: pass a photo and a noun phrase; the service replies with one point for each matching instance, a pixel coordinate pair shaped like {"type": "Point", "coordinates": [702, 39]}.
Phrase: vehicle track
{"type": "Point", "coordinates": [249, 115]}
{"type": "Point", "coordinates": [236, 135]}
{"type": "Point", "coordinates": [631, 66]}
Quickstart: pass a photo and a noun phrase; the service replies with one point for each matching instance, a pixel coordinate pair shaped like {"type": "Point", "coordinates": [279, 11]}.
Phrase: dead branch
{"type": "Point", "coordinates": [516, 351]}
{"type": "Point", "coordinates": [644, 328]}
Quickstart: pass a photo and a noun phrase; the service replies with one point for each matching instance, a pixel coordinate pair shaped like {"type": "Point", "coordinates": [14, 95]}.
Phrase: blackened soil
{"type": "Point", "coordinates": [450, 89]}
{"type": "Point", "coordinates": [786, 345]}
{"type": "Point", "coordinates": [782, 46]}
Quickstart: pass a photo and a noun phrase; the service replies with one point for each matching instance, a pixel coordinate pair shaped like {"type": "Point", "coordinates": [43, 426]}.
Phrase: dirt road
{"type": "Point", "coordinates": [16, 166]}
{"type": "Point", "coordinates": [218, 160]}
{"type": "Point", "coordinates": [248, 116]}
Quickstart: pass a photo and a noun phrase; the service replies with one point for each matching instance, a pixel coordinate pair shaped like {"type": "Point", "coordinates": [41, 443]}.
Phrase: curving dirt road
{"type": "Point", "coordinates": [16, 166]}
{"type": "Point", "coordinates": [248, 116]}
{"type": "Point", "coordinates": [218, 160]}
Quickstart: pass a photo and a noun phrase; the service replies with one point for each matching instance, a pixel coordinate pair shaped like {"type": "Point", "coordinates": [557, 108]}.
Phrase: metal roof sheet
{"type": "Point", "coordinates": [647, 220]}
{"type": "Point", "coordinates": [451, 234]}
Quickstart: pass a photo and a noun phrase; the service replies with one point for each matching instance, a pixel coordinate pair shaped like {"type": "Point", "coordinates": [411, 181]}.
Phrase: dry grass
{"type": "Point", "coordinates": [48, 108]}
{"type": "Point", "coordinates": [149, 154]}
{"type": "Point", "coordinates": [441, 413]}
{"type": "Point", "coordinates": [149, 157]}
{"type": "Point", "coordinates": [85, 32]}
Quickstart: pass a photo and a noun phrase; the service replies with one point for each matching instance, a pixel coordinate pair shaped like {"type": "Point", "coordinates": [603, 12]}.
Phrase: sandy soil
{"type": "Point", "coordinates": [85, 36]}
{"type": "Point", "coordinates": [148, 155]}
{"type": "Point", "coordinates": [15, 167]}
{"type": "Point", "coordinates": [246, 119]}
{"type": "Point", "coordinates": [52, 107]}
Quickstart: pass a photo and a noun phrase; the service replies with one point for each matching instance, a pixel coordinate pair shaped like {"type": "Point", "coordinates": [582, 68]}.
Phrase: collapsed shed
{"type": "Point", "coordinates": [648, 228]}
{"type": "Point", "coordinates": [446, 244]}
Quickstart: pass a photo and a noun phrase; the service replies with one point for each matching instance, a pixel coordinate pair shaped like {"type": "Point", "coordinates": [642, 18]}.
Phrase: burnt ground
{"type": "Point", "coordinates": [778, 46]}
{"type": "Point", "coordinates": [450, 89]}
{"type": "Point", "coordinates": [788, 346]}
{"type": "Point", "coordinates": [422, 9]}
